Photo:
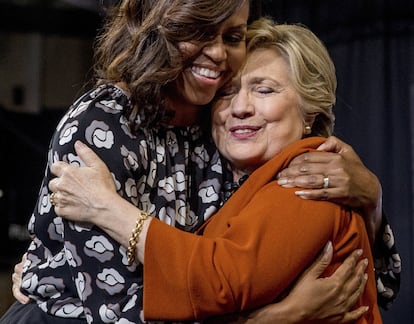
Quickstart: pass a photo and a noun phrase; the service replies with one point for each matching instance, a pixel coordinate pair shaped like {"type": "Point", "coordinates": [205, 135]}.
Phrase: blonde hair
{"type": "Point", "coordinates": [312, 70]}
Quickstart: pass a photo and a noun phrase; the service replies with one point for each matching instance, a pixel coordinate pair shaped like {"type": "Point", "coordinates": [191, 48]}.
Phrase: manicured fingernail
{"type": "Point", "coordinates": [328, 247]}
{"type": "Point", "coordinates": [282, 182]}
{"type": "Point", "coordinates": [301, 193]}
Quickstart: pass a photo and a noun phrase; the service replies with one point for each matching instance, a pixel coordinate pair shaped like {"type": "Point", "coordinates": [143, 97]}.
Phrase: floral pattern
{"type": "Point", "coordinates": [76, 270]}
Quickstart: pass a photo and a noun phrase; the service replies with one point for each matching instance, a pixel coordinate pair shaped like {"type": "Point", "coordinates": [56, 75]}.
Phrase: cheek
{"type": "Point", "coordinates": [187, 49]}
{"type": "Point", "coordinates": [236, 57]}
{"type": "Point", "coordinates": [218, 120]}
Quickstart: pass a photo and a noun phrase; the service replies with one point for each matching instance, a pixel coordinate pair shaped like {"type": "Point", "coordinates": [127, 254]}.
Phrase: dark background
{"type": "Point", "coordinates": [371, 42]}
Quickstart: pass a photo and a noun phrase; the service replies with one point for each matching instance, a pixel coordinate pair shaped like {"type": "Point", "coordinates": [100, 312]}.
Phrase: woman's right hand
{"type": "Point", "coordinates": [329, 299]}
{"type": "Point", "coordinates": [82, 193]}
{"type": "Point", "coordinates": [17, 282]}
{"type": "Point", "coordinates": [314, 299]}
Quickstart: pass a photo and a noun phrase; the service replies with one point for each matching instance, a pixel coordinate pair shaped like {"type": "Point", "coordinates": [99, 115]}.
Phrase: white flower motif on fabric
{"type": "Point", "coordinates": [200, 157]}
{"type": "Point", "coordinates": [131, 190]}
{"type": "Point", "coordinates": [107, 314]}
{"type": "Point", "coordinates": [74, 160]}
{"type": "Point", "coordinates": [130, 159]}
{"type": "Point", "coordinates": [181, 213]}
{"type": "Point", "coordinates": [30, 224]}
{"type": "Point", "coordinates": [80, 108]}
{"type": "Point", "coordinates": [152, 174]}
{"type": "Point", "coordinates": [71, 255]}
{"type": "Point", "coordinates": [30, 282]}
{"type": "Point", "coordinates": [100, 248]}
{"type": "Point", "coordinates": [80, 227]}
{"type": "Point", "coordinates": [131, 304]}
{"type": "Point", "coordinates": [44, 204]}
{"type": "Point", "coordinates": [69, 310]}
{"type": "Point", "coordinates": [143, 153]}
{"type": "Point", "coordinates": [160, 154]}
{"type": "Point", "coordinates": [55, 229]}
{"type": "Point", "coordinates": [208, 194]}
{"type": "Point", "coordinates": [169, 185]}
{"type": "Point", "coordinates": [99, 135]}
{"type": "Point", "coordinates": [83, 285]}
{"type": "Point", "coordinates": [111, 281]}
{"type": "Point", "coordinates": [209, 212]}
{"type": "Point", "coordinates": [110, 106]}
{"type": "Point", "coordinates": [125, 126]}
{"type": "Point", "coordinates": [34, 244]}
{"type": "Point", "coordinates": [50, 287]}
{"type": "Point", "coordinates": [67, 132]}
{"type": "Point", "coordinates": [166, 217]}
{"type": "Point", "coordinates": [57, 261]}
{"type": "Point", "coordinates": [54, 157]}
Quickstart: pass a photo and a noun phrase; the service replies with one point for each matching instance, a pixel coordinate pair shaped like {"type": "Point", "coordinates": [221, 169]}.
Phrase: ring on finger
{"type": "Point", "coordinates": [52, 198]}
{"type": "Point", "coordinates": [325, 182]}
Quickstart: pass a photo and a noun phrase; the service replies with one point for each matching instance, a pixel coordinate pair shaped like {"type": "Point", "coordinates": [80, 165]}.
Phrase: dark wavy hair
{"type": "Point", "coordinates": [138, 46]}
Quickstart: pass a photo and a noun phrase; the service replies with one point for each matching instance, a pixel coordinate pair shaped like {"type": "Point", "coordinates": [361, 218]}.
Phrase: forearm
{"type": "Point", "coordinates": [118, 220]}
{"type": "Point", "coordinates": [280, 312]}
{"type": "Point", "coordinates": [372, 211]}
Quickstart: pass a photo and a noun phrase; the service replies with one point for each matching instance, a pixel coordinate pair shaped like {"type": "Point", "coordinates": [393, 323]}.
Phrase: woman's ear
{"type": "Point", "coordinates": [307, 129]}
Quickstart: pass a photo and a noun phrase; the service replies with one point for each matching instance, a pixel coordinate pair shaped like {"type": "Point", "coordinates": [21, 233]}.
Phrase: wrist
{"type": "Point", "coordinates": [372, 212]}
{"type": "Point", "coordinates": [286, 311]}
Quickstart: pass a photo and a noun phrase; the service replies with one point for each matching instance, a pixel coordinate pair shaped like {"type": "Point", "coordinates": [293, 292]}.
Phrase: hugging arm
{"type": "Point", "coordinates": [337, 174]}
{"type": "Point", "coordinates": [351, 184]}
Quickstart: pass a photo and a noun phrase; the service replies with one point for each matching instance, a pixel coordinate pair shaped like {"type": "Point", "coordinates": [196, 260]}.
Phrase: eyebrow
{"type": "Point", "coordinates": [238, 27]}
{"type": "Point", "coordinates": [259, 80]}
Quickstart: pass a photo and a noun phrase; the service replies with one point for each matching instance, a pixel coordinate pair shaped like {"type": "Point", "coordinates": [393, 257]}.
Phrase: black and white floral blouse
{"type": "Point", "coordinates": [75, 270]}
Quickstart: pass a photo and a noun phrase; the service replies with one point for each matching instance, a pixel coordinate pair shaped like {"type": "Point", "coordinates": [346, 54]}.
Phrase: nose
{"type": "Point", "coordinates": [241, 105]}
{"type": "Point", "coordinates": [216, 50]}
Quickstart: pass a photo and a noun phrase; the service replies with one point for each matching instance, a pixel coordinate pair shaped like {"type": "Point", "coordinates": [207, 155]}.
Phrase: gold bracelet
{"type": "Point", "coordinates": [131, 251]}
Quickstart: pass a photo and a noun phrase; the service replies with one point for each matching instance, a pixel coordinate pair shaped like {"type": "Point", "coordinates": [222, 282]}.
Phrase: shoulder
{"type": "Point", "coordinates": [106, 98]}
{"type": "Point", "coordinates": [95, 118]}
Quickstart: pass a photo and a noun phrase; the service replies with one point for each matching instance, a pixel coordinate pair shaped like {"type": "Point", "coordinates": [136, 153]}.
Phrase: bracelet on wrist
{"type": "Point", "coordinates": [132, 246]}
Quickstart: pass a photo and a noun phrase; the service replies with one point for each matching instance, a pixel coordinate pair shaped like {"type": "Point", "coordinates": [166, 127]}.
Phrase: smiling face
{"type": "Point", "coordinates": [213, 62]}
{"type": "Point", "coordinates": [259, 114]}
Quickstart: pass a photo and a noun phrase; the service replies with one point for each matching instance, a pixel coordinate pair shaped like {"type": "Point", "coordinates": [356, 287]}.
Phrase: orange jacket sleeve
{"type": "Point", "coordinates": [250, 252]}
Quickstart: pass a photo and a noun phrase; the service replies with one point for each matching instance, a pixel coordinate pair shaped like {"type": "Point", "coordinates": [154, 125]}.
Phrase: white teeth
{"type": "Point", "coordinates": [206, 72]}
{"type": "Point", "coordinates": [243, 131]}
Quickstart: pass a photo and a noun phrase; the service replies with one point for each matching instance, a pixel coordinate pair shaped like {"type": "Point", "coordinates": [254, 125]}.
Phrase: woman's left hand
{"type": "Point", "coordinates": [347, 180]}
{"type": "Point", "coordinates": [336, 173]}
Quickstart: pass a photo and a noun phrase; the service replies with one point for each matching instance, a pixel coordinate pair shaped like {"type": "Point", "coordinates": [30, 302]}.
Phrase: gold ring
{"type": "Point", "coordinates": [325, 182]}
{"type": "Point", "coordinates": [52, 198]}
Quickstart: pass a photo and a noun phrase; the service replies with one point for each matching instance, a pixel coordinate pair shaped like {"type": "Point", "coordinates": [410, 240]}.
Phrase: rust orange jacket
{"type": "Point", "coordinates": [251, 251]}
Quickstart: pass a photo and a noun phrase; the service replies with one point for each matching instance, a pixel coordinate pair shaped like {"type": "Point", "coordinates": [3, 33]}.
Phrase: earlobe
{"type": "Point", "coordinates": [307, 130]}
